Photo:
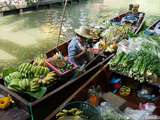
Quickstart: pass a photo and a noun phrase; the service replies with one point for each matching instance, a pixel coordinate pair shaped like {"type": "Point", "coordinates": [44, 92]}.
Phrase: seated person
{"type": "Point", "coordinates": [77, 48]}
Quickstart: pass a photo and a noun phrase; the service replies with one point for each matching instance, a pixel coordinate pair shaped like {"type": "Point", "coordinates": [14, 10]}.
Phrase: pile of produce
{"type": "Point", "coordinates": [142, 63]}
{"type": "Point", "coordinates": [29, 77]}
{"type": "Point", "coordinates": [58, 61]}
{"type": "Point", "coordinates": [71, 114]}
{"type": "Point", "coordinates": [108, 47]}
{"type": "Point", "coordinates": [116, 33]}
{"type": "Point", "coordinates": [111, 36]}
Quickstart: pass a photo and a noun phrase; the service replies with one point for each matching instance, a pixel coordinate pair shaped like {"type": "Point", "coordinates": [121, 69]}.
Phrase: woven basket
{"type": "Point", "coordinates": [89, 111]}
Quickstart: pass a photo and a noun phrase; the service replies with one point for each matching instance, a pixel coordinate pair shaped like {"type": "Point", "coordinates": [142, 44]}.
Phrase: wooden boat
{"type": "Point", "coordinates": [103, 78]}
{"type": "Point", "coordinates": [136, 26]}
{"type": "Point", "coordinates": [153, 25]}
{"type": "Point", "coordinates": [150, 29]}
{"type": "Point", "coordinates": [60, 91]}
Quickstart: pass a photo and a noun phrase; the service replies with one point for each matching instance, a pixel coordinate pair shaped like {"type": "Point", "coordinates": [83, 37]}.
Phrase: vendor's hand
{"type": "Point", "coordinates": [84, 49]}
{"type": "Point", "coordinates": [89, 50]}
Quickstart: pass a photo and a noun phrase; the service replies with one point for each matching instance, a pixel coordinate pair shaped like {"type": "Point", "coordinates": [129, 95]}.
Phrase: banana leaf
{"type": "Point", "coordinates": [38, 94]}
{"type": "Point", "coordinates": [8, 71]}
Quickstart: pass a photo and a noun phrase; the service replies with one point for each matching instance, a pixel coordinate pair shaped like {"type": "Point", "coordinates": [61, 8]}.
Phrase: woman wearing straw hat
{"type": "Point", "coordinates": [77, 49]}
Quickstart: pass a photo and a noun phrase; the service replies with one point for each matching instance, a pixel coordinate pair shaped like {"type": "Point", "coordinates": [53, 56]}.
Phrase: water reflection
{"type": "Point", "coordinates": [25, 36]}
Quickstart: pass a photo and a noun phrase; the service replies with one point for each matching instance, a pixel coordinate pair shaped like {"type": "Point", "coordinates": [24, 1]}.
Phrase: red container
{"type": "Point", "coordinates": [57, 70]}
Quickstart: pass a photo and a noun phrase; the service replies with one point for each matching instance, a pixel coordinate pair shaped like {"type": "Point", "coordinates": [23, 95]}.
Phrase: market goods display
{"type": "Point", "coordinates": [108, 47]}
{"type": "Point", "coordinates": [79, 110]}
{"type": "Point", "coordinates": [141, 63]}
{"type": "Point", "coordinates": [111, 37]}
{"type": "Point", "coordinates": [50, 78]}
{"type": "Point", "coordinates": [116, 33]}
{"type": "Point", "coordinates": [58, 64]}
{"type": "Point", "coordinates": [40, 61]}
{"type": "Point", "coordinates": [30, 78]}
{"type": "Point", "coordinates": [73, 113]}
{"type": "Point", "coordinates": [28, 70]}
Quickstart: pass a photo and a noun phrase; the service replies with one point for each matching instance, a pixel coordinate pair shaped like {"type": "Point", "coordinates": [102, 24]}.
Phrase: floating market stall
{"type": "Point", "coordinates": [36, 88]}
{"type": "Point", "coordinates": [40, 86]}
{"type": "Point", "coordinates": [126, 104]}
{"type": "Point", "coordinates": [132, 74]}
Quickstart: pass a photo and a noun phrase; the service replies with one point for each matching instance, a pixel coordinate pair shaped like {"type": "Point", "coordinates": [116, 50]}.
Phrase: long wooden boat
{"type": "Point", "coordinates": [153, 25]}
{"type": "Point", "coordinates": [136, 26]}
{"type": "Point", "coordinates": [150, 29]}
{"type": "Point", "coordinates": [60, 91]}
{"type": "Point", "coordinates": [103, 78]}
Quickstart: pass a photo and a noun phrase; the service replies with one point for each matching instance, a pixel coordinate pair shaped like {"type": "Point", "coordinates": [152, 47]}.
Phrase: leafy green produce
{"type": "Point", "coordinates": [142, 65]}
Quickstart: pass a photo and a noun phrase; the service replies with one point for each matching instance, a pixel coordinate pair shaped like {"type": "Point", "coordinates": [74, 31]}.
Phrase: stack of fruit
{"type": "Point", "coordinates": [73, 113]}
{"type": "Point", "coordinates": [29, 77]}
{"type": "Point", "coordinates": [108, 47]}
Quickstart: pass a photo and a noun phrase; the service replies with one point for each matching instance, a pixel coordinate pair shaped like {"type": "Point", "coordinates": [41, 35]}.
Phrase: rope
{"type": "Point", "coordinates": [61, 22]}
{"type": "Point", "coordinates": [31, 111]}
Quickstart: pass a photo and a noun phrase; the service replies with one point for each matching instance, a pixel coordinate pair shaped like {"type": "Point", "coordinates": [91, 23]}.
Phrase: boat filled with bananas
{"type": "Point", "coordinates": [154, 29]}
{"type": "Point", "coordinates": [36, 86]}
{"type": "Point", "coordinates": [133, 18]}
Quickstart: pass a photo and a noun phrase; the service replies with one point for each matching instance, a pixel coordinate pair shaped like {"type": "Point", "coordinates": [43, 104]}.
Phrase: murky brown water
{"type": "Point", "coordinates": [24, 36]}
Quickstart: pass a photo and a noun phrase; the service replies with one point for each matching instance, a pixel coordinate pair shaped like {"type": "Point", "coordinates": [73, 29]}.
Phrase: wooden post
{"type": "Point", "coordinates": [1, 13]}
{"type": "Point", "coordinates": [21, 11]}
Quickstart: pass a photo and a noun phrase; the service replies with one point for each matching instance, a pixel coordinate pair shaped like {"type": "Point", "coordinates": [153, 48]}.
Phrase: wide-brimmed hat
{"type": "Point", "coordinates": [95, 36]}
{"type": "Point", "coordinates": [84, 32]}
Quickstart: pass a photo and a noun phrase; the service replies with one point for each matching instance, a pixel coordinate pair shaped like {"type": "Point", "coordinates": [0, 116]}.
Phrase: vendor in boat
{"type": "Point", "coordinates": [77, 48]}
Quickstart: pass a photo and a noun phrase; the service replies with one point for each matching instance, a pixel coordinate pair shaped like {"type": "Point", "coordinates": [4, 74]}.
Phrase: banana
{"type": "Point", "coordinates": [34, 86]}
{"type": "Point", "coordinates": [21, 85]}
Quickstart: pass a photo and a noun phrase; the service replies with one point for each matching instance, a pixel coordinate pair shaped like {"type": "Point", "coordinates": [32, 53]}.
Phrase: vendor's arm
{"type": "Point", "coordinates": [79, 55]}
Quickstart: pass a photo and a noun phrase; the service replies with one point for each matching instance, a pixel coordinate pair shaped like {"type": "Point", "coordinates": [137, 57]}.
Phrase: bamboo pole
{"type": "Point", "coordinates": [61, 24]}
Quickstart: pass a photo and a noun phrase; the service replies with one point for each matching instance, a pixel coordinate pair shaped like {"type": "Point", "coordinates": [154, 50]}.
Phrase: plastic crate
{"type": "Point", "coordinates": [59, 73]}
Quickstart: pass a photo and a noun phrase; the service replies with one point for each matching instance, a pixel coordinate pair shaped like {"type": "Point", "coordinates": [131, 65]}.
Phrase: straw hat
{"type": "Point", "coordinates": [95, 36]}
{"type": "Point", "coordinates": [84, 32]}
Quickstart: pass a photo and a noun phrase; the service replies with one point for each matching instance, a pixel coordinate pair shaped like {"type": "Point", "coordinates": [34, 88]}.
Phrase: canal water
{"type": "Point", "coordinates": [22, 37]}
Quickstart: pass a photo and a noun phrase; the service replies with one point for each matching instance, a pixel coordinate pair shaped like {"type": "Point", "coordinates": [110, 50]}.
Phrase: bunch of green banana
{"type": "Point", "coordinates": [40, 70]}
{"type": "Point", "coordinates": [14, 85]}
{"type": "Point", "coordinates": [34, 86]}
{"type": "Point", "coordinates": [39, 61]}
{"type": "Point", "coordinates": [73, 113]}
{"type": "Point", "coordinates": [14, 75]}
{"type": "Point", "coordinates": [24, 84]}
{"type": "Point", "coordinates": [26, 70]}
{"type": "Point", "coordinates": [49, 79]}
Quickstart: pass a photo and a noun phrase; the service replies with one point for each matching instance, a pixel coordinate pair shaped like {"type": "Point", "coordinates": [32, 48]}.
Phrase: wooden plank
{"type": "Point", "coordinates": [116, 101]}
